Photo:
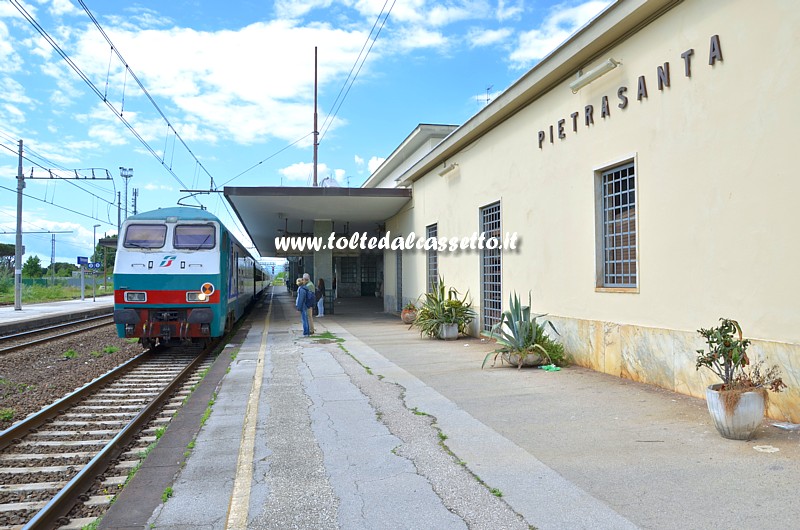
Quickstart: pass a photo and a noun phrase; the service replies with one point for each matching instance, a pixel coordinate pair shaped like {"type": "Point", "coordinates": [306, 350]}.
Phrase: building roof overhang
{"type": "Point", "coordinates": [270, 212]}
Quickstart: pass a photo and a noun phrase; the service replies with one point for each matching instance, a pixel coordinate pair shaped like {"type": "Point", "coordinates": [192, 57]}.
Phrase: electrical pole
{"type": "Point", "coordinates": [126, 174]}
{"type": "Point", "coordinates": [135, 200]}
{"type": "Point", "coordinates": [119, 209]}
{"type": "Point", "coordinates": [18, 250]}
{"type": "Point", "coordinates": [94, 260]}
{"type": "Point", "coordinates": [53, 259]}
{"type": "Point", "coordinates": [316, 132]}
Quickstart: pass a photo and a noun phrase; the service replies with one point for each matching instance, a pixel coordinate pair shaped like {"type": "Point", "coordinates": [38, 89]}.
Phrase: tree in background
{"type": "Point", "coordinates": [33, 268]}
{"type": "Point", "coordinates": [6, 256]}
{"type": "Point", "coordinates": [64, 269]}
{"type": "Point", "coordinates": [110, 253]}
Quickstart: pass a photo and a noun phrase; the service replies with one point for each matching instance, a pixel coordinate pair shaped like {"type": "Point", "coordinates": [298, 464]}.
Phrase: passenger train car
{"type": "Point", "coordinates": [180, 275]}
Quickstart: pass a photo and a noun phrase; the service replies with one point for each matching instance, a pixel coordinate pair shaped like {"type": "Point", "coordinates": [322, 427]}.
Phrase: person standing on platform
{"type": "Point", "coordinates": [300, 304]}
{"type": "Point", "coordinates": [310, 286]}
{"type": "Point", "coordinates": [320, 298]}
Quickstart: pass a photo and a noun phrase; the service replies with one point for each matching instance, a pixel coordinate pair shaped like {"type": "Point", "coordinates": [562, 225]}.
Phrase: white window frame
{"type": "Point", "coordinates": [600, 226]}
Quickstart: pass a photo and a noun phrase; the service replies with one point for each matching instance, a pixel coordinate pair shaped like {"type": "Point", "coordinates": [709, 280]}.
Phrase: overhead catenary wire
{"type": "Point", "coordinates": [276, 153]}
{"type": "Point", "coordinates": [326, 124]}
{"type": "Point", "coordinates": [144, 90]}
{"type": "Point", "coordinates": [49, 39]}
{"type": "Point", "coordinates": [36, 164]}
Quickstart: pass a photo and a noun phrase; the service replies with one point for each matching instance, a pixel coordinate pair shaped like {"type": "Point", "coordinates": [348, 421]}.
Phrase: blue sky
{"type": "Point", "coordinates": [228, 95]}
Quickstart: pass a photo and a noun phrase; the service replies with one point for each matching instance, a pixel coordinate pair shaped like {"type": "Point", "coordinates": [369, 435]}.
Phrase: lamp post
{"type": "Point", "coordinates": [126, 173]}
{"type": "Point", "coordinates": [94, 271]}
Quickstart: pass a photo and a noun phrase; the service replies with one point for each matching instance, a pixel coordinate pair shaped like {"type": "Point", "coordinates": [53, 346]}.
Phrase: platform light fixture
{"type": "Point", "coordinates": [593, 74]}
{"type": "Point", "coordinates": [448, 169]}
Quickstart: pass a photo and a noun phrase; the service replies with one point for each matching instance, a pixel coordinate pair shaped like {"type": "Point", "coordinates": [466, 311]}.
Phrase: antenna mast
{"type": "Point", "coordinates": [316, 132]}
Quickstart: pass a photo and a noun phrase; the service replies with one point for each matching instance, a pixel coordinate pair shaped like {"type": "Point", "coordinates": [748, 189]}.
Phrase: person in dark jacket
{"type": "Point", "coordinates": [300, 305]}
{"type": "Point", "coordinates": [310, 286]}
{"type": "Point", "coordinates": [320, 297]}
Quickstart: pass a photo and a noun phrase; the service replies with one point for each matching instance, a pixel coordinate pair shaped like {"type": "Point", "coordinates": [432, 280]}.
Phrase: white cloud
{"type": "Point", "coordinates": [215, 80]}
{"type": "Point", "coordinates": [374, 163]}
{"type": "Point", "coordinates": [480, 37]}
{"type": "Point", "coordinates": [12, 113]}
{"type": "Point", "coordinates": [419, 37]}
{"type": "Point", "coordinates": [298, 8]}
{"type": "Point", "coordinates": [13, 92]}
{"type": "Point", "coordinates": [64, 7]}
{"type": "Point", "coordinates": [509, 10]}
{"type": "Point", "coordinates": [555, 29]}
{"type": "Point", "coordinates": [157, 187]}
{"type": "Point", "coordinates": [10, 61]}
{"type": "Point", "coordinates": [443, 15]}
{"type": "Point", "coordinates": [358, 160]}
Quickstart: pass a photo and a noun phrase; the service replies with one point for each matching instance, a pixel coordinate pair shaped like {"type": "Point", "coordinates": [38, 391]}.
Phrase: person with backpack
{"type": "Point", "coordinates": [301, 304]}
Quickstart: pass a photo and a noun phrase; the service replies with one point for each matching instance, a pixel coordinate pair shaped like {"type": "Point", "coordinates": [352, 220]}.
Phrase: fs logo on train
{"type": "Point", "coordinates": [167, 261]}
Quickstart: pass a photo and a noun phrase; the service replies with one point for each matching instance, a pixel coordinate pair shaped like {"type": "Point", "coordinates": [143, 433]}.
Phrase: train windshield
{"type": "Point", "coordinates": [194, 236]}
{"type": "Point", "coordinates": [145, 236]}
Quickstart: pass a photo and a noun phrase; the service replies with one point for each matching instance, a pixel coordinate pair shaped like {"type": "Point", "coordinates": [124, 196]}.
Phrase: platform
{"type": "Point", "coordinates": [302, 435]}
{"type": "Point", "coordinates": [37, 315]}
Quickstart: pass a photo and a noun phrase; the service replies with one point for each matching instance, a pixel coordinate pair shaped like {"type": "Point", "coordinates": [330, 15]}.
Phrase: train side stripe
{"type": "Point", "coordinates": [163, 297]}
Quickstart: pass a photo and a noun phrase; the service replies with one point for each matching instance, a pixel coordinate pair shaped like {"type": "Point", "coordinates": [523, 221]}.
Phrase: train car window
{"type": "Point", "coordinates": [194, 236]}
{"type": "Point", "coordinates": [145, 236]}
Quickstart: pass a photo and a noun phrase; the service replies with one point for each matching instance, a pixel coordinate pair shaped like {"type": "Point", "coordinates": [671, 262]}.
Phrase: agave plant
{"type": "Point", "coordinates": [443, 306]}
{"type": "Point", "coordinates": [520, 332]}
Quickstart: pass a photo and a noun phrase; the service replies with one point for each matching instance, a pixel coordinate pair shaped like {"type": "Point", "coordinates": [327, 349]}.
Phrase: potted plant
{"type": "Point", "coordinates": [409, 313]}
{"type": "Point", "coordinates": [443, 314]}
{"type": "Point", "coordinates": [522, 337]}
{"type": "Point", "coordinates": [737, 404]}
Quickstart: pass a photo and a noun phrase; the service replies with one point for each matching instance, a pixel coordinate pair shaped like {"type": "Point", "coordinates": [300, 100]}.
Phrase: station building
{"type": "Point", "coordinates": [645, 168]}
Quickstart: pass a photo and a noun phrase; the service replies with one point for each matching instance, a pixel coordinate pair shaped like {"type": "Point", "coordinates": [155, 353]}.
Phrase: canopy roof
{"type": "Point", "coordinates": [270, 212]}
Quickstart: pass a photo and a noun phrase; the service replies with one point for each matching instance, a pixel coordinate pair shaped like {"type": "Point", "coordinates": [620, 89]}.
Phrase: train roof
{"type": "Point", "coordinates": [182, 213]}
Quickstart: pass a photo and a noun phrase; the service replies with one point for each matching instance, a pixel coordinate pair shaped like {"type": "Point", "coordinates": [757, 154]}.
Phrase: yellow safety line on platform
{"type": "Point", "coordinates": [239, 506]}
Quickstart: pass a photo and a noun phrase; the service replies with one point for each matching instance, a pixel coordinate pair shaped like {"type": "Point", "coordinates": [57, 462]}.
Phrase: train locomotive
{"type": "Point", "coordinates": [181, 276]}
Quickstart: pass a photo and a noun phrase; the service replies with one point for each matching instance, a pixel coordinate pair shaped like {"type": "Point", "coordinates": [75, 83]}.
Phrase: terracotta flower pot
{"type": "Point", "coordinates": [408, 316]}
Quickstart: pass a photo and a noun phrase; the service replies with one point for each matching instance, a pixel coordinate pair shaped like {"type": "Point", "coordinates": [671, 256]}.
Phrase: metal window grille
{"type": "Point", "coordinates": [619, 227]}
{"type": "Point", "coordinates": [399, 284]}
{"type": "Point", "coordinates": [491, 269]}
{"type": "Point", "coordinates": [433, 259]}
{"type": "Point", "coordinates": [349, 270]}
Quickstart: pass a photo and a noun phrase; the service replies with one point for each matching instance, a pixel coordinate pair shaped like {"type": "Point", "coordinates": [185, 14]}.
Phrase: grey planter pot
{"type": "Point", "coordinates": [745, 419]}
{"type": "Point", "coordinates": [531, 359]}
{"type": "Point", "coordinates": [448, 331]}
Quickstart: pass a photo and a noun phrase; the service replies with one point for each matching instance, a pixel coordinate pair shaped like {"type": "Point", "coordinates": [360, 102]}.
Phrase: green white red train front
{"type": "Point", "coordinates": [180, 275]}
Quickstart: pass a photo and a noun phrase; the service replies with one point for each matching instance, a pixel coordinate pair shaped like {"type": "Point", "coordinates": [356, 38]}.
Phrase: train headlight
{"type": "Point", "coordinates": [134, 296]}
{"type": "Point", "coordinates": [194, 296]}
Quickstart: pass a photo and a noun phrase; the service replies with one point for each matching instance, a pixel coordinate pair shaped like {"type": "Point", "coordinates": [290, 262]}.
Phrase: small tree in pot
{"type": "Point", "coordinates": [442, 310]}
{"type": "Point", "coordinates": [737, 404]}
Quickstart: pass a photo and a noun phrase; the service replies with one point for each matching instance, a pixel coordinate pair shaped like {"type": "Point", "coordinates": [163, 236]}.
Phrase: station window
{"type": "Point", "coordinates": [491, 269]}
{"type": "Point", "coordinates": [349, 270]}
{"type": "Point", "coordinates": [145, 236]}
{"type": "Point", "coordinates": [617, 238]}
{"type": "Point", "coordinates": [432, 256]}
{"type": "Point", "coordinates": [194, 237]}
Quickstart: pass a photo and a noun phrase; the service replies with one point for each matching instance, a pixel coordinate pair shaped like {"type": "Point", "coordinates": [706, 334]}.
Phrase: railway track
{"type": "Point", "coordinates": [25, 339]}
{"type": "Point", "coordinates": [91, 440]}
